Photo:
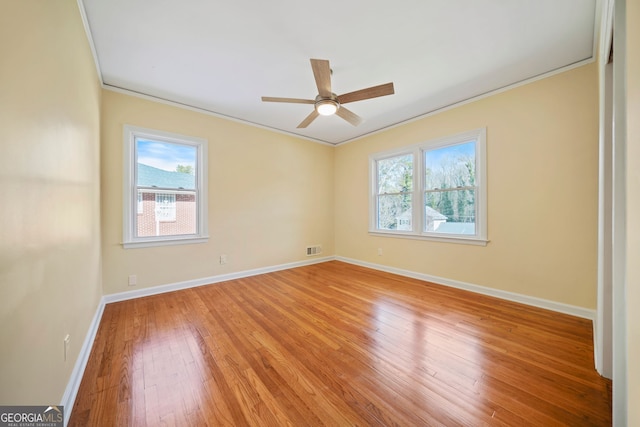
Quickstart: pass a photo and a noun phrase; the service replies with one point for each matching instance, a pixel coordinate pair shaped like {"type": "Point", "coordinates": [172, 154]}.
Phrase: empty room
{"type": "Point", "coordinates": [339, 213]}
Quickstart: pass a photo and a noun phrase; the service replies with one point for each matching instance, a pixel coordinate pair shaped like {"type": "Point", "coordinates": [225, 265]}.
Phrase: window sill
{"type": "Point", "coordinates": [458, 239]}
{"type": "Point", "coordinates": [172, 240]}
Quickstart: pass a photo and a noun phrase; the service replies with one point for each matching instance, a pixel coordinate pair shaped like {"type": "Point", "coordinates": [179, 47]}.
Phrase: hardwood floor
{"type": "Point", "coordinates": [336, 344]}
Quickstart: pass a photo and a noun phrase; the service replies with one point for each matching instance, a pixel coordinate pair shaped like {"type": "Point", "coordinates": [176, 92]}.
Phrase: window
{"type": "Point", "coordinates": [165, 197]}
{"type": "Point", "coordinates": [435, 190]}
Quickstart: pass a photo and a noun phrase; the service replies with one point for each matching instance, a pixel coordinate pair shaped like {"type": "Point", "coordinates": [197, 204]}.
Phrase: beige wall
{"type": "Point", "coordinates": [49, 187]}
{"type": "Point", "coordinates": [270, 196]}
{"type": "Point", "coordinates": [542, 148]}
{"type": "Point", "coordinates": [633, 210]}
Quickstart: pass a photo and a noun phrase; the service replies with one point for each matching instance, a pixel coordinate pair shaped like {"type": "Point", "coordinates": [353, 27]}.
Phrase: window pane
{"type": "Point", "coordinates": [167, 214]}
{"type": "Point", "coordinates": [451, 212]}
{"type": "Point", "coordinates": [166, 166]}
{"type": "Point", "coordinates": [395, 174]}
{"type": "Point", "coordinates": [394, 212]}
{"type": "Point", "coordinates": [451, 166]}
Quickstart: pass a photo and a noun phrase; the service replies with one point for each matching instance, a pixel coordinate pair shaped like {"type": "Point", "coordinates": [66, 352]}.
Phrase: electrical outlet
{"type": "Point", "coordinates": [67, 341]}
{"type": "Point", "coordinates": [223, 259]}
{"type": "Point", "coordinates": [133, 280]}
{"type": "Point", "coordinates": [379, 251]}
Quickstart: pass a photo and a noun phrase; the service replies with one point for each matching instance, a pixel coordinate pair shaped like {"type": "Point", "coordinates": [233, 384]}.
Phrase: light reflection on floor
{"type": "Point", "coordinates": [425, 349]}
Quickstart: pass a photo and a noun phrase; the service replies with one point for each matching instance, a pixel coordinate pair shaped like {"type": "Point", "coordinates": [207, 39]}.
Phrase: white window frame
{"type": "Point", "coordinates": [417, 197]}
{"type": "Point", "coordinates": [130, 191]}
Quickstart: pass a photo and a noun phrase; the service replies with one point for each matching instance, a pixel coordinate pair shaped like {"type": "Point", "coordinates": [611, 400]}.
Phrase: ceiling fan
{"type": "Point", "coordinates": [327, 102]}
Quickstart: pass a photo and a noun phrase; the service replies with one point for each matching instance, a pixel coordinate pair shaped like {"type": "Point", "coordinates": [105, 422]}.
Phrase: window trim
{"type": "Point", "coordinates": [418, 217]}
{"type": "Point", "coordinates": [130, 190]}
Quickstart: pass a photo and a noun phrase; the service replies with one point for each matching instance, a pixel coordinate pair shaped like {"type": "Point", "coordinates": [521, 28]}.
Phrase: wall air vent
{"type": "Point", "coordinates": [314, 250]}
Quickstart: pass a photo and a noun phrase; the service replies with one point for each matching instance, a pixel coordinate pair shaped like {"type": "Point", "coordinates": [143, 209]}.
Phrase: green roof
{"type": "Point", "coordinates": [148, 176]}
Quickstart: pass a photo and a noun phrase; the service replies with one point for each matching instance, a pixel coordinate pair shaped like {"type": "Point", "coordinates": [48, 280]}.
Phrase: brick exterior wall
{"type": "Point", "coordinates": [185, 219]}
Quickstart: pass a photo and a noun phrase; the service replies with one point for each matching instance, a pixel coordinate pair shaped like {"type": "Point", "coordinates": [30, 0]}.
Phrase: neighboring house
{"type": "Point", "coordinates": [166, 202]}
{"type": "Point", "coordinates": [403, 221]}
{"type": "Point", "coordinates": [434, 220]}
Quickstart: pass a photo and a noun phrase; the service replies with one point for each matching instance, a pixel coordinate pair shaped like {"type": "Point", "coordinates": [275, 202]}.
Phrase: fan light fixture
{"type": "Point", "coordinates": [326, 107]}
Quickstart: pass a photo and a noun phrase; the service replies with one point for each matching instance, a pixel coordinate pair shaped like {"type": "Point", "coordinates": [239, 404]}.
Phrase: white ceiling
{"type": "Point", "coordinates": [224, 55]}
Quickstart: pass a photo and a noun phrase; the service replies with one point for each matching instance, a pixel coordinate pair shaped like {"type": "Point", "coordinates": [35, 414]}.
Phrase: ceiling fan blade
{"type": "Point", "coordinates": [368, 93]}
{"type": "Point", "coordinates": [322, 74]}
{"type": "Point", "coordinates": [349, 116]}
{"type": "Point", "coordinates": [307, 121]}
{"type": "Point", "coordinates": [291, 100]}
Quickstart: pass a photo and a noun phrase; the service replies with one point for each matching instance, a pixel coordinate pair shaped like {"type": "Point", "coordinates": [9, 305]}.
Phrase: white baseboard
{"type": "Point", "coordinates": [573, 310]}
{"type": "Point", "coordinates": [155, 290]}
{"type": "Point", "coordinates": [70, 393]}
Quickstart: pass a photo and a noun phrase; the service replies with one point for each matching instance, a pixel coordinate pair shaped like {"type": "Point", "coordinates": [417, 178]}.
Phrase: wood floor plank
{"type": "Point", "coordinates": [306, 381]}
{"type": "Point", "coordinates": [334, 344]}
